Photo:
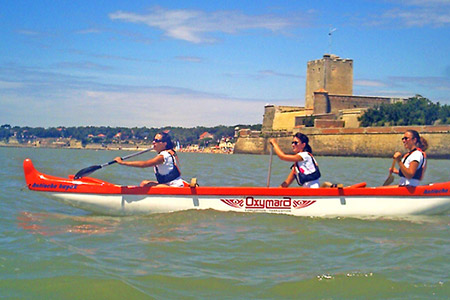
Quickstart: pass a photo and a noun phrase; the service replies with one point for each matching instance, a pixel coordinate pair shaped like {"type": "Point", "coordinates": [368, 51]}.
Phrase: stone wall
{"type": "Point", "coordinates": [324, 123]}
{"type": "Point", "coordinates": [363, 142]}
{"type": "Point", "coordinates": [350, 117]}
{"type": "Point", "coordinates": [251, 145]}
{"type": "Point", "coordinates": [325, 102]}
{"type": "Point", "coordinates": [281, 117]}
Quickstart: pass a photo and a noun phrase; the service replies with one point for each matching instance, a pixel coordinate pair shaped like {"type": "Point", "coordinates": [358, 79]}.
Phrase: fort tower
{"type": "Point", "coordinates": [332, 74]}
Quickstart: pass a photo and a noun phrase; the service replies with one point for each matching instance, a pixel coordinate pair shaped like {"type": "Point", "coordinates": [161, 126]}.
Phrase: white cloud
{"type": "Point", "coordinates": [44, 98]}
{"type": "Point", "coordinates": [151, 107]}
{"type": "Point", "coordinates": [10, 85]}
{"type": "Point", "coordinates": [190, 58]}
{"type": "Point", "coordinates": [369, 83]}
{"type": "Point", "coordinates": [429, 83]}
{"type": "Point", "coordinates": [89, 31]}
{"type": "Point", "coordinates": [405, 87]}
{"type": "Point", "coordinates": [82, 65]}
{"type": "Point", "coordinates": [172, 107]}
{"type": "Point", "coordinates": [195, 25]}
{"type": "Point", "coordinates": [278, 74]}
{"type": "Point", "coordinates": [418, 13]}
{"type": "Point", "coordinates": [420, 17]}
{"type": "Point", "coordinates": [424, 2]}
{"type": "Point", "coordinates": [28, 32]}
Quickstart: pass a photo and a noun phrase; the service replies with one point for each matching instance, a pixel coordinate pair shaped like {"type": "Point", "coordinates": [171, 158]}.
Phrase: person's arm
{"type": "Point", "coordinates": [282, 155]}
{"type": "Point", "coordinates": [407, 172]}
{"type": "Point", "coordinates": [287, 182]}
{"type": "Point", "coordinates": [157, 160]}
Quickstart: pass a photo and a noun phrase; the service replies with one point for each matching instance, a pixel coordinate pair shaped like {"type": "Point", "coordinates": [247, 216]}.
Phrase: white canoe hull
{"type": "Point", "coordinates": [298, 206]}
{"type": "Point", "coordinates": [102, 197]}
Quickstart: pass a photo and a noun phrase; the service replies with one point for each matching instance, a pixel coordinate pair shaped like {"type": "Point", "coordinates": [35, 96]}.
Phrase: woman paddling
{"type": "Point", "coordinates": [165, 163]}
{"type": "Point", "coordinates": [305, 168]}
{"type": "Point", "coordinates": [411, 167]}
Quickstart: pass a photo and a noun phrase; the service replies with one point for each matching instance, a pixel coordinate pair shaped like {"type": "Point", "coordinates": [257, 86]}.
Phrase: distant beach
{"type": "Point", "coordinates": [126, 147]}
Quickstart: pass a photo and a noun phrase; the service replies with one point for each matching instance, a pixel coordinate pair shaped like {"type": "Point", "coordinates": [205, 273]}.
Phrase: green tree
{"type": "Point", "coordinates": [415, 111]}
{"type": "Point", "coordinates": [5, 132]}
{"type": "Point", "coordinates": [138, 134]}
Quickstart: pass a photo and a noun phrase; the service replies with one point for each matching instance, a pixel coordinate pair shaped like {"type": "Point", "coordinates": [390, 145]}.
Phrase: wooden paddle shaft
{"type": "Point", "coordinates": [137, 153]}
{"type": "Point", "coordinates": [392, 166]}
{"type": "Point", "coordinates": [270, 166]}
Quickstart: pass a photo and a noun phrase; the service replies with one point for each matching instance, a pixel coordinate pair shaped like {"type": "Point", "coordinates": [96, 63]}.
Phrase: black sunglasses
{"type": "Point", "coordinates": [294, 143]}
{"type": "Point", "coordinates": [157, 141]}
{"type": "Point", "coordinates": [405, 138]}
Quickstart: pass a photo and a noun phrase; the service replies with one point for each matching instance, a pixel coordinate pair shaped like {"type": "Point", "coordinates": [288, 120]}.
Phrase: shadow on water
{"type": "Point", "coordinates": [51, 224]}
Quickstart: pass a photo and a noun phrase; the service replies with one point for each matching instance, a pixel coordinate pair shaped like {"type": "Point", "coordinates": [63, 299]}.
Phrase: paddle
{"type": "Point", "coordinates": [390, 178]}
{"type": "Point", "coordinates": [92, 169]}
{"type": "Point", "coordinates": [270, 166]}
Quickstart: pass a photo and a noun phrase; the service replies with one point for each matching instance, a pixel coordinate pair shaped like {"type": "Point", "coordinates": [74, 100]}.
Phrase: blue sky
{"type": "Point", "coordinates": [188, 63]}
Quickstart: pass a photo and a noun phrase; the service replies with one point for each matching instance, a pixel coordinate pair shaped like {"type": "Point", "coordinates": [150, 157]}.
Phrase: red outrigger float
{"type": "Point", "coordinates": [105, 198]}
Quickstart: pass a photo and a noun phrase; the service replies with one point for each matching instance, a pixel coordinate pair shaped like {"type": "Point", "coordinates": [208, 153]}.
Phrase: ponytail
{"type": "Point", "coordinates": [166, 139]}
{"type": "Point", "coordinates": [423, 144]}
{"type": "Point", "coordinates": [307, 148]}
{"type": "Point", "coordinates": [420, 141]}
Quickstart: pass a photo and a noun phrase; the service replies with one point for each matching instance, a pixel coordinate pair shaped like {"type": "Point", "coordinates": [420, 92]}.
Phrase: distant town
{"type": "Point", "coordinates": [218, 139]}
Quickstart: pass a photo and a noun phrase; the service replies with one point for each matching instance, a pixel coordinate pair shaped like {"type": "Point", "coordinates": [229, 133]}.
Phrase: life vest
{"type": "Point", "coordinates": [172, 175]}
{"type": "Point", "coordinates": [422, 167]}
{"type": "Point", "coordinates": [301, 178]}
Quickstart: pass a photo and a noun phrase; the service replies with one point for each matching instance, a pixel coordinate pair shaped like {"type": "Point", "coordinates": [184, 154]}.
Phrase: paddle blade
{"type": "Point", "coordinates": [87, 171]}
{"type": "Point", "coordinates": [389, 180]}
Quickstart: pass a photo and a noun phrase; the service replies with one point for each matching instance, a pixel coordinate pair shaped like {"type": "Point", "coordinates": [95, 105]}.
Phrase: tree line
{"type": "Point", "coordinates": [415, 111]}
{"type": "Point", "coordinates": [107, 134]}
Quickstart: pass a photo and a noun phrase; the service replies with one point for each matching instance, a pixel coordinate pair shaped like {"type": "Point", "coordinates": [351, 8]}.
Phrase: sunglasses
{"type": "Point", "coordinates": [405, 138]}
{"type": "Point", "coordinates": [294, 143]}
{"type": "Point", "coordinates": [157, 141]}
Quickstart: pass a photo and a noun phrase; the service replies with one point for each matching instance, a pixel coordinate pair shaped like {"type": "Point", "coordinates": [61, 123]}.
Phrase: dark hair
{"type": "Point", "coordinates": [165, 138]}
{"type": "Point", "coordinates": [304, 139]}
{"type": "Point", "coordinates": [421, 142]}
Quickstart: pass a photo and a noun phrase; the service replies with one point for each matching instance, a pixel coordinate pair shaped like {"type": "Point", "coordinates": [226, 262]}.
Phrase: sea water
{"type": "Point", "coordinates": [49, 250]}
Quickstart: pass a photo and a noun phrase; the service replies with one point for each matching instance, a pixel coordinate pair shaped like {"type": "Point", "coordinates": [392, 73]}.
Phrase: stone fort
{"type": "Point", "coordinates": [329, 99]}
{"type": "Point", "coordinates": [331, 112]}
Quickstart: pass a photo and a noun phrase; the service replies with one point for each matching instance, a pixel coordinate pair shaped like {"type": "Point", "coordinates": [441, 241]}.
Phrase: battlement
{"type": "Point", "coordinates": [330, 57]}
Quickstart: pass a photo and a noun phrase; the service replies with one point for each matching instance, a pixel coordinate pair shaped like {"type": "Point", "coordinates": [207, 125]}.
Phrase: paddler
{"type": "Point", "coordinates": [412, 166]}
{"type": "Point", "coordinates": [305, 168]}
{"type": "Point", "coordinates": [165, 164]}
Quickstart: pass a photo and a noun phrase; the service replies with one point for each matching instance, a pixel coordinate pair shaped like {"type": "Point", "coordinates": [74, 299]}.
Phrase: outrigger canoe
{"type": "Point", "coordinates": [101, 197]}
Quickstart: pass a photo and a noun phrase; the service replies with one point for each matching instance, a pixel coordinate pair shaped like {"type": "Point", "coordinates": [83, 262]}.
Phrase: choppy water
{"type": "Point", "coordinates": [52, 251]}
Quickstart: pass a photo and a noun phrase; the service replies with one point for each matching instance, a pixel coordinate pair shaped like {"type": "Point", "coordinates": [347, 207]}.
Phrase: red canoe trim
{"type": "Point", "coordinates": [41, 182]}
